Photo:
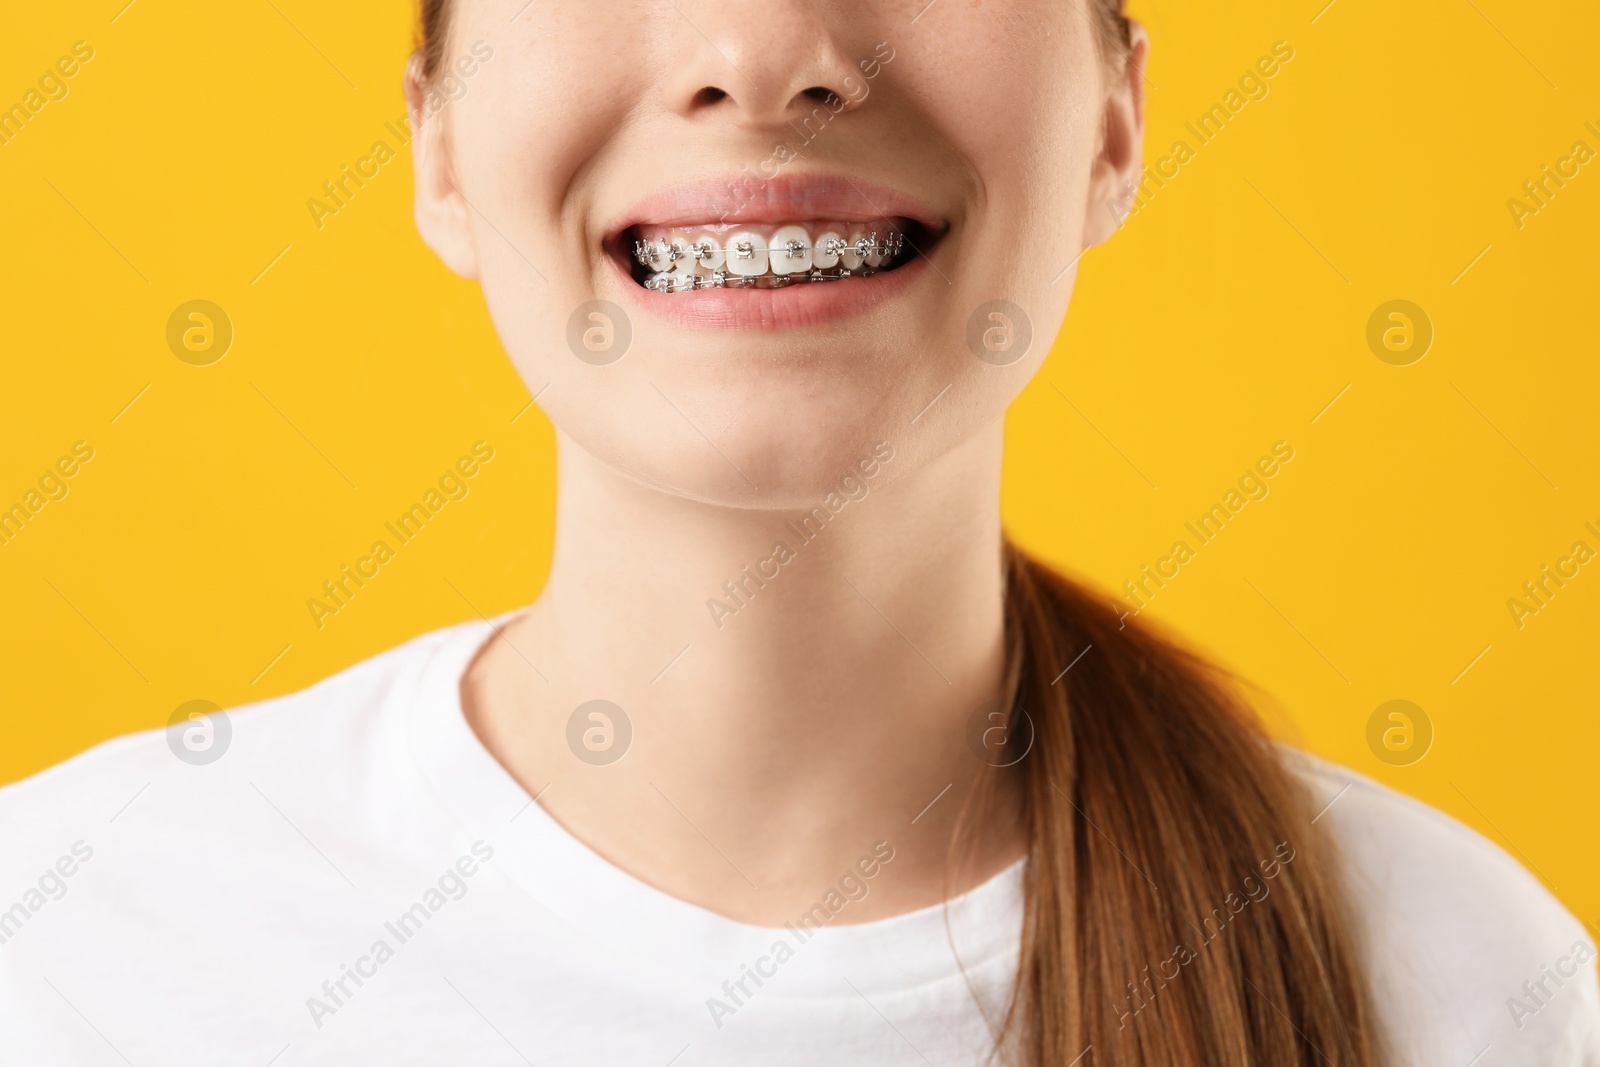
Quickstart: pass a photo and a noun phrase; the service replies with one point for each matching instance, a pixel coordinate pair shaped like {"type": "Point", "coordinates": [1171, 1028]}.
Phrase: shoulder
{"type": "Point", "coordinates": [324, 722]}
{"type": "Point", "coordinates": [1467, 953]}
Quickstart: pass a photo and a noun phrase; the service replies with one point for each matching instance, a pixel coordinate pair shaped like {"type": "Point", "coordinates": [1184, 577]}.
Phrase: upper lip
{"type": "Point", "coordinates": [748, 198]}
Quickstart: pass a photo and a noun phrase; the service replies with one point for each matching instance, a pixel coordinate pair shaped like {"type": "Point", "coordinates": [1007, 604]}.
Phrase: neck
{"type": "Point", "coordinates": [798, 683]}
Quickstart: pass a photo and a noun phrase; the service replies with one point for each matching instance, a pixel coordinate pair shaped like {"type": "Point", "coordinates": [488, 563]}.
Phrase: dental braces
{"type": "Point", "coordinates": [653, 254]}
{"type": "Point", "coordinates": [679, 282]}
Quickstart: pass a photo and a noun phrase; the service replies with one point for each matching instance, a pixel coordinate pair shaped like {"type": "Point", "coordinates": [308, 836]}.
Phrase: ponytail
{"type": "Point", "coordinates": [1180, 908]}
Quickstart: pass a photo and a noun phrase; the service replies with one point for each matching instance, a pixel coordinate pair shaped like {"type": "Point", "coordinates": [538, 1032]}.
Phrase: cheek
{"type": "Point", "coordinates": [525, 141]}
{"type": "Point", "coordinates": [1031, 154]}
{"type": "Point", "coordinates": [1023, 103]}
{"type": "Point", "coordinates": [535, 127]}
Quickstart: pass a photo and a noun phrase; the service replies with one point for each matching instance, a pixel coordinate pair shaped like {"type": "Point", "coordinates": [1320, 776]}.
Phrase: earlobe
{"type": "Point", "coordinates": [441, 211]}
{"type": "Point", "coordinates": [1114, 177]}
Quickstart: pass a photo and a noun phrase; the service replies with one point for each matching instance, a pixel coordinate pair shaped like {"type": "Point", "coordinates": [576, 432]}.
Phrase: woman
{"type": "Point", "coordinates": [796, 759]}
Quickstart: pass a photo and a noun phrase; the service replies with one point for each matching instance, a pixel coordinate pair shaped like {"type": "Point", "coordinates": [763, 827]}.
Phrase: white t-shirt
{"type": "Point", "coordinates": [357, 881]}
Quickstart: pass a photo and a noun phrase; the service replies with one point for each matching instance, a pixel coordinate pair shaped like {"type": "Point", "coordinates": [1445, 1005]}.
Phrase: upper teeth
{"type": "Point", "coordinates": [746, 255]}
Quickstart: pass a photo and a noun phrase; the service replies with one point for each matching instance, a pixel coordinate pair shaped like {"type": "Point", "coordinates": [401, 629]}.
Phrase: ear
{"type": "Point", "coordinates": [1114, 179]}
{"type": "Point", "coordinates": [443, 216]}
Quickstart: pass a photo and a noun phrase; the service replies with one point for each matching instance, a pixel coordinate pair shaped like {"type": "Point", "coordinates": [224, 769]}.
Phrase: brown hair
{"type": "Point", "coordinates": [1179, 906]}
{"type": "Point", "coordinates": [433, 27]}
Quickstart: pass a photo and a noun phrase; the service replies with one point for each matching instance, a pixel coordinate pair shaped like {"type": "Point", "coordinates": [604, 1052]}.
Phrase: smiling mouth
{"type": "Point", "coordinates": [681, 259]}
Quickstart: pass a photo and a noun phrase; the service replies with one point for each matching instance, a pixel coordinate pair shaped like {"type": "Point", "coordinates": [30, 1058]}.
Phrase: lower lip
{"type": "Point", "coordinates": [791, 307]}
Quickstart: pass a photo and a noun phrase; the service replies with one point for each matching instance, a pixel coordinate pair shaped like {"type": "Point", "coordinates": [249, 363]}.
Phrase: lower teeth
{"type": "Point", "coordinates": [675, 282]}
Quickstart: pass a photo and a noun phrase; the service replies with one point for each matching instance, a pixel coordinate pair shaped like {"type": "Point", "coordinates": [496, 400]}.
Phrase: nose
{"type": "Point", "coordinates": [759, 65]}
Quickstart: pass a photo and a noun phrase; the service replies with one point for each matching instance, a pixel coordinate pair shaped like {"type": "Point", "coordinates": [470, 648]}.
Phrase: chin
{"type": "Point", "coordinates": [764, 448]}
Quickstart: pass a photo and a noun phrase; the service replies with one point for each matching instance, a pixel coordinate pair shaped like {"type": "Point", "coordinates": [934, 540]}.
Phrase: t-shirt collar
{"type": "Point", "coordinates": [680, 940]}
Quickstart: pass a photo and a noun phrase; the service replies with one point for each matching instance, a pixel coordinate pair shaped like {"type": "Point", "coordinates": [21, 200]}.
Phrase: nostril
{"type": "Point", "coordinates": [710, 95]}
{"type": "Point", "coordinates": [820, 94]}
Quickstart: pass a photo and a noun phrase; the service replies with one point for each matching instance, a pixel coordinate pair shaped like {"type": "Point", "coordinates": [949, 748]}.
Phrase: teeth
{"type": "Point", "coordinates": [747, 253]}
{"type": "Point", "coordinates": [682, 259]}
{"type": "Point", "coordinates": [826, 254]}
{"type": "Point", "coordinates": [791, 250]}
{"type": "Point", "coordinates": [708, 250]}
{"type": "Point", "coordinates": [655, 255]}
{"type": "Point", "coordinates": [671, 281]}
{"type": "Point", "coordinates": [874, 254]}
{"type": "Point", "coordinates": [850, 255]}
{"type": "Point", "coordinates": [679, 260]}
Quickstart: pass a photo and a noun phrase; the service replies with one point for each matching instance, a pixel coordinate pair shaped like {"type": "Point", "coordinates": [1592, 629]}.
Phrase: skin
{"type": "Point", "coordinates": [833, 708]}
